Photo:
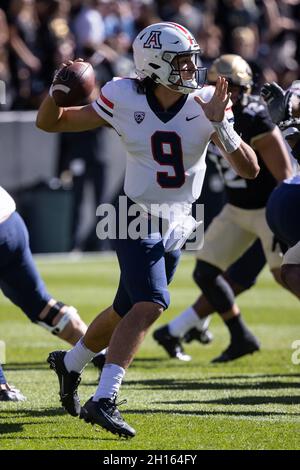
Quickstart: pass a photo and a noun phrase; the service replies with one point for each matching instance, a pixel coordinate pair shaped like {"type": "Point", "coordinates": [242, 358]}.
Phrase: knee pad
{"type": "Point", "coordinates": [204, 270]}
{"type": "Point", "coordinates": [216, 289]}
{"type": "Point", "coordinates": [47, 322]}
{"type": "Point", "coordinates": [290, 275]}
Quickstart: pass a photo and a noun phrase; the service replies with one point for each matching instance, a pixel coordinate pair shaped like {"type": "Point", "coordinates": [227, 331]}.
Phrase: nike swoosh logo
{"type": "Point", "coordinates": [105, 415]}
{"type": "Point", "coordinates": [190, 118]}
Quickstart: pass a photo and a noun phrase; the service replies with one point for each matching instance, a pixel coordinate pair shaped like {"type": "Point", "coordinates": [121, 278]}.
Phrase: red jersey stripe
{"type": "Point", "coordinates": [106, 101]}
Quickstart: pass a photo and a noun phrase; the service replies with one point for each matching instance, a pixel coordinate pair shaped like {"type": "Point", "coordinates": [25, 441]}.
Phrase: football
{"type": "Point", "coordinates": [73, 84]}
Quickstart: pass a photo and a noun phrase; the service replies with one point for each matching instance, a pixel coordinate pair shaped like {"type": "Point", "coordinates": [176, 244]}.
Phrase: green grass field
{"type": "Point", "coordinates": [252, 403]}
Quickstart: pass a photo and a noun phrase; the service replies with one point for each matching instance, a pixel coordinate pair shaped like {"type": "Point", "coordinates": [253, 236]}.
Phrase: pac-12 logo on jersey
{"type": "Point", "coordinates": [139, 116]}
{"type": "Point", "coordinates": [153, 40]}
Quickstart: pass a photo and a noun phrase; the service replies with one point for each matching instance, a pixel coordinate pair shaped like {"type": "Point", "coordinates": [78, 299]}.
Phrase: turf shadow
{"type": "Point", "coordinates": [9, 428]}
{"type": "Point", "coordinates": [253, 376]}
{"type": "Point", "coordinates": [58, 436]}
{"type": "Point", "coordinates": [247, 400]}
{"type": "Point", "coordinates": [11, 366]}
{"type": "Point", "coordinates": [206, 384]}
{"type": "Point", "coordinates": [34, 413]}
{"type": "Point", "coordinates": [240, 414]}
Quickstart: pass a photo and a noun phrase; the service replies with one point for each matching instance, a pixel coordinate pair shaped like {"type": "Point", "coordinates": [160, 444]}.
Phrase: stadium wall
{"type": "Point", "coordinates": [29, 155]}
{"type": "Point", "coordinates": [28, 160]}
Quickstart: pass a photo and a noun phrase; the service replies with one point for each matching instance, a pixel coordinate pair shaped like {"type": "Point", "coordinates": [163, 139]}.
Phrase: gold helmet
{"type": "Point", "coordinates": [234, 68]}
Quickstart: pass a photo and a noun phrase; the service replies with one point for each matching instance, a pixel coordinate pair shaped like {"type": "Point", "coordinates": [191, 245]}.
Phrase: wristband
{"type": "Point", "coordinates": [227, 135]}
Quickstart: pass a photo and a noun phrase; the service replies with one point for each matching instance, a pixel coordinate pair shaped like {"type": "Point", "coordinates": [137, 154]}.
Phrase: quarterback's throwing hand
{"type": "Point", "coordinates": [215, 108]}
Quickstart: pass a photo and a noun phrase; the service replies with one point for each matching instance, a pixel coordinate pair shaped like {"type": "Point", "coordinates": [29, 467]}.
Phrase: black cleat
{"type": "Point", "coordinates": [68, 383]}
{"type": "Point", "coordinates": [238, 349]}
{"type": "Point", "coordinates": [106, 414]}
{"type": "Point", "coordinates": [171, 344]}
{"type": "Point", "coordinates": [99, 360]}
{"type": "Point", "coordinates": [204, 336]}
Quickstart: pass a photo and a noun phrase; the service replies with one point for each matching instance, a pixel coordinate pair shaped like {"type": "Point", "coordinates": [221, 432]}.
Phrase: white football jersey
{"type": "Point", "coordinates": [165, 156]}
{"type": "Point", "coordinates": [7, 204]}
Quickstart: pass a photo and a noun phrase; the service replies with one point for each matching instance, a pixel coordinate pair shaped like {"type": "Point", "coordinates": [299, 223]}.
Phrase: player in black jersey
{"type": "Point", "coordinates": [241, 220]}
{"type": "Point", "coordinates": [284, 203]}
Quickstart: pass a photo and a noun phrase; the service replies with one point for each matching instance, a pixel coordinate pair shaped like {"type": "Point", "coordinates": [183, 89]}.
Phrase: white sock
{"type": "Point", "coordinates": [203, 324]}
{"type": "Point", "coordinates": [104, 351]}
{"type": "Point", "coordinates": [78, 357]}
{"type": "Point", "coordinates": [184, 322]}
{"type": "Point", "coordinates": [110, 381]}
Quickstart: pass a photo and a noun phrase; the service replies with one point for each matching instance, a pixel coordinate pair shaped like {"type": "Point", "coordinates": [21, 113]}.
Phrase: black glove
{"type": "Point", "coordinates": [278, 102]}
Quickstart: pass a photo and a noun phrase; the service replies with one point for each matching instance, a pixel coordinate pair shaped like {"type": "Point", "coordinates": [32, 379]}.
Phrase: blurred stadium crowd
{"type": "Point", "coordinates": [37, 35]}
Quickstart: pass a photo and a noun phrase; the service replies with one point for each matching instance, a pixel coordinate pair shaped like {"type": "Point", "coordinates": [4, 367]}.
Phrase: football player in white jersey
{"type": "Point", "coordinates": [241, 221]}
{"type": "Point", "coordinates": [166, 121]}
{"type": "Point", "coordinates": [21, 283]}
